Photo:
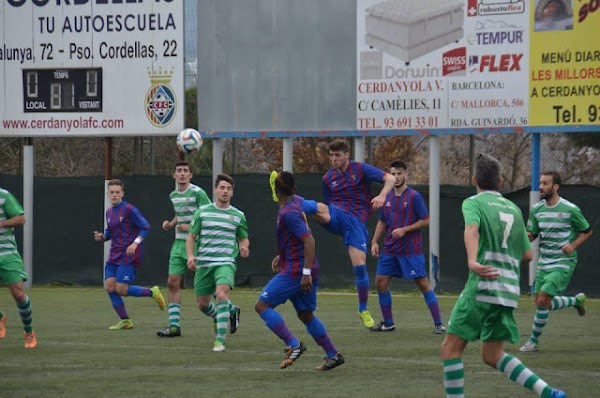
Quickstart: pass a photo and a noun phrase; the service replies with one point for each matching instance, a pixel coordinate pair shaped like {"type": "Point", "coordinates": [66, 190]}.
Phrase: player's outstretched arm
{"type": "Point", "coordinates": [13, 221]}
{"type": "Point", "coordinates": [388, 184]}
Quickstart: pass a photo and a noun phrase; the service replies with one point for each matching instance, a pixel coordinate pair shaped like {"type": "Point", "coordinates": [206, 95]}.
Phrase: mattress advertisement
{"type": "Point", "coordinates": [565, 62]}
{"type": "Point", "coordinates": [424, 64]}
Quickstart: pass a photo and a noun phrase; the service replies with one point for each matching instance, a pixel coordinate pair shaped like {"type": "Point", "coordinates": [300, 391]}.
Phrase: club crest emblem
{"type": "Point", "coordinates": [161, 104]}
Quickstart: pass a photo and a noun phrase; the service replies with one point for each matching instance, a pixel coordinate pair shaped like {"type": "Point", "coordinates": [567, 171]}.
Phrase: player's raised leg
{"type": "Point", "coordinates": [516, 371]}
{"type": "Point", "coordinates": [359, 259]}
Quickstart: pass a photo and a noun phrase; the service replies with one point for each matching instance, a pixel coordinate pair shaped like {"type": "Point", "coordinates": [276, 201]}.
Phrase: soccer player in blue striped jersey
{"type": "Point", "coordinates": [401, 219]}
{"type": "Point", "coordinates": [12, 272]}
{"type": "Point", "coordinates": [347, 205]}
{"type": "Point", "coordinates": [126, 229]}
{"type": "Point", "coordinates": [496, 243]}
{"type": "Point", "coordinates": [186, 199]}
{"type": "Point", "coordinates": [297, 279]}
{"type": "Point", "coordinates": [562, 228]}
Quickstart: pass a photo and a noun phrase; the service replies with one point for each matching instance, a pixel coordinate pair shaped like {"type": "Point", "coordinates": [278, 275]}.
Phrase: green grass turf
{"type": "Point", "coordinates": [78, 356]}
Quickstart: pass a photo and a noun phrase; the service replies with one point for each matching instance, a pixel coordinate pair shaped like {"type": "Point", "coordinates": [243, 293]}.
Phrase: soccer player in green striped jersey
{"type": "Point", "coordinates": [218, 233]}
{"type": "Point", "coordinates": [496, 243]}
{"type": "Point", "coordinates": [186, 199]}
{"type": "Point", "coordinates": [562, 228]}
{"type": "Point", "coordinates": [12, 272]}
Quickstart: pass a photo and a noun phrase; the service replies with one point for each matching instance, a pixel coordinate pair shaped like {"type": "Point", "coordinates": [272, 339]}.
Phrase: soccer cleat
{"type": "Point", "coordinates": [366, 319]}
{"type": "Point", "coordinates": [439, 329]}
{"type": "Point", "coordinates": [123, 324]}
{"type": "Point", "coordinates": [330, 363]}
{"type": "Point", "coordinates": [291, 354]}
{"type": "Point", "coordinates": [234, 319]}
{"type": "Point", "coordinates": [529, 347]}
{"type": "Point", "coordinates": [579, 306]}
{"type": "Point", "coordinates": [272, 179]}
{"type": "Point", "coordinates": [158, 297]}
{"type": "Point", "coordinates": [30, 340]}
{"type": "Point", "coordinates": [2, 326]}
{"type": "Point", "coordinates": [556, 393]}
{"type": "Point", "coordinates": [218, 346]}
{"type": "Point", "coordinates": [382, 327]}
{"type": "Point", "coordinates": [169, 331]}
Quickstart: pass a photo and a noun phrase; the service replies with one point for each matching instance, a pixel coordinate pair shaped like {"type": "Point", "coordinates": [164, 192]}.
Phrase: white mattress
{"type": "Point", "coordinates": [407, 54]}
{"type": "Point", "coordinates": [414, 24]}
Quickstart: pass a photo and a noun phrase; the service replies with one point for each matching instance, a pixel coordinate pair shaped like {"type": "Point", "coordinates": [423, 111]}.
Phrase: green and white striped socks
{"type": "Point", "coordinates": [25, 313]}
{"type": "Point", "coordinates": [175, 315]}
{"type": "Point", "coordinates": [539, 322]}
{"type": "Point", "coordinates": [454, 378]}
{"type": "Point", "coordinates": [520, 374]}
{"type": "Point", "coordinates": [560, 302]}
{"type": "Point", "coordinates": [222, 320]}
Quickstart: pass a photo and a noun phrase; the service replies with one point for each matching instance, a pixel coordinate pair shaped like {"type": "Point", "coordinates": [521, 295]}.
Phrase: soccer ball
{"type": "Point", "coordinates": [189, 141]}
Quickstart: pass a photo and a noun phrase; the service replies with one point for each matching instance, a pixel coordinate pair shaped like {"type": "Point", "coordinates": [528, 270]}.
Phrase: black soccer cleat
{"type": "Point", "coordinates": [382, 327]}
{"type": "Point", "coordinates": [169, 331]}
{"type": "Point", "coordinates": [330, 363]}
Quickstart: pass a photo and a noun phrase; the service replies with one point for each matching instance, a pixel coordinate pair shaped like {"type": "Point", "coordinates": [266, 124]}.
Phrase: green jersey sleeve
{"type": "Point", "coordinates": [202, 198]}
{"type": "Point", "coordinates": [195, 224]}
{"type": "Point", "coordinates": [12, 207]}
{"type": "Point", "coordinates": [578, 221]}
{"type": "Point", "coordinates": [471, 213]}
{"type": "Point", "coordinates": [242, 230]}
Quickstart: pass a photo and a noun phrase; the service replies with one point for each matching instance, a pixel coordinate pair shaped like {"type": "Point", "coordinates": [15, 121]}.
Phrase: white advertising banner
{"type": "Point", "coordinates": [426, 64]}
{"type": "Point", "coordinates": [91, 67]}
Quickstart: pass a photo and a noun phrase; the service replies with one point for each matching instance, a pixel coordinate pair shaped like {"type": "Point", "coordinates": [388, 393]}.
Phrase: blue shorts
{"type": "Point", "coordinates": [350, 228]}
{"type": "Point", "coordinates": [407, 267]}
{"type": "Point", "coordinates": [282, 288]}
{"type": "Point", "coordinates": [123, 273]}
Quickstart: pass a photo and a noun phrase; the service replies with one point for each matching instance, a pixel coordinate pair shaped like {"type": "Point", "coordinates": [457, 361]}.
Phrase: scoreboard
{"type": "Point", "coordinates": [62, 90]}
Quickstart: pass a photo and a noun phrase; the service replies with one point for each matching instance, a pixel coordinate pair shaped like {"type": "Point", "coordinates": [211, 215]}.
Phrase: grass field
{"type": "Point", "coordinates": [78, 356]}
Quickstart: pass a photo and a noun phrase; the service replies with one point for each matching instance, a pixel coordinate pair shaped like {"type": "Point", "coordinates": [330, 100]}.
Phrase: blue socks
{"type": "Point", "coordinates": [362, 285]}
{"type": "Point", "coordinates": [275, 322]}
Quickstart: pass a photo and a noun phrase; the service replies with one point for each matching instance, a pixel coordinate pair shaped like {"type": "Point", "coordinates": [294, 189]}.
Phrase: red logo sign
{"type": "Point", "coordinates": [500, 63]}
{"type": "Point", "coordinates": [454, 62]}
{"type": "Point", "coordinates": [472, 8]}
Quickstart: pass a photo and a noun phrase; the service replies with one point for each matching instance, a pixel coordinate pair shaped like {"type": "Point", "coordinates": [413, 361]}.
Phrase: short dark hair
{"type": "Point", "coordinates": [398, 164]}
{"type": "Point", "coordinates": [285, 184]}
{"type": "Point", "coordinates": [224, 177]}
{"type": "Point", "coordinates": [183, 163]}
{"type": "Point", "coordinates": [555, 177]}
{"type": "Point", "coordinates": [339, 144]}
{"type": "Point", "coordinates": [487, 172]}
{"type": "Point", "coordinates": [116, 181]}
